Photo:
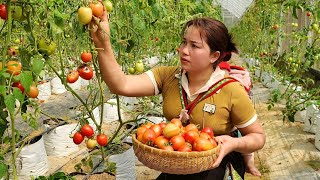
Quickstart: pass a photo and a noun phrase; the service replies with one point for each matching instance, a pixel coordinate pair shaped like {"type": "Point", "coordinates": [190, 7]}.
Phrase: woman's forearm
{"type": "Point", "coordinates": [250, 142]}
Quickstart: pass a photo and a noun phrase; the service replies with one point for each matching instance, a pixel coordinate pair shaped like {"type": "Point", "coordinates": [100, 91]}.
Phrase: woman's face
{"type": "Point", "coordinates": [195, 54]}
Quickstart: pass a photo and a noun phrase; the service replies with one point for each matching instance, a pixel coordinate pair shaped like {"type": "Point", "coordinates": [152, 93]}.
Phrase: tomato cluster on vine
{"type": "Point", "coordinates": [96, 9]}
{"type": "Point", "coordinates": [172, 136]}
{"type": "Point", "coordinates": [85, 71]}
{"type": "Point", "coordinates": [87, 131]}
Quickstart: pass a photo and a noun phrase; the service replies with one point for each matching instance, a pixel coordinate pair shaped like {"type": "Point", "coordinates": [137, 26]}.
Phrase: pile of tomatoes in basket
{"type": "Point", "coordinates": [172, 136]}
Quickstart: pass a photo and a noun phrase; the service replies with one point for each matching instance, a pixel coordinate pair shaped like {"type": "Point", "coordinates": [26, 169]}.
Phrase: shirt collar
{"type": "Point", "coordinates": [215, 77]}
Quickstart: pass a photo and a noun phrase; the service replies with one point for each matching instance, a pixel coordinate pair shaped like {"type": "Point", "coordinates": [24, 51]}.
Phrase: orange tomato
{"type": "Point", "coordinates": [97, 9]}
{"type": "Point", "coordinates": [13, 67]}
{"type": "Point", "coordinates": [33, 91]}
{"type": "Point", "coordinates": [171, 130]}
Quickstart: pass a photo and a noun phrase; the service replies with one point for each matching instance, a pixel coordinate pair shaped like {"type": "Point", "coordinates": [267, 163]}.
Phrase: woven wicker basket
{"type": "Point", "coordinates": [174, 162]}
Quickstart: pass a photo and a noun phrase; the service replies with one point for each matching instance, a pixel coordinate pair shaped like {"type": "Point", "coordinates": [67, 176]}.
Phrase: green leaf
{"type": "Point", "coordinates": [58, 19]}
{"type": "Point", "coordinates": [10, 102]}
{"type": "Point", "coordinates": [130, 45]}
{"type": "Point", "coordinates": [26, 80]}
{"type": "Point", "coordinates": [37, 65]}
{"type": "Point", "coordinates": [3, 169]}
{"type": "Point", "coordinates": [18, 95]}
{"type": "Point", "coordinates": [2, 89]}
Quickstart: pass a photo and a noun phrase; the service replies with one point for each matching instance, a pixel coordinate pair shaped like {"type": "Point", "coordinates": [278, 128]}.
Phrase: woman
{"type": "Point", "coordinates": [205, 43]}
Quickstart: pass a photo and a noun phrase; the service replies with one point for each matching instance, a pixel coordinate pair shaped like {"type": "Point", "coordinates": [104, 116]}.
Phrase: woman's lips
{"type": "Point", "coordinates": [184, 60]}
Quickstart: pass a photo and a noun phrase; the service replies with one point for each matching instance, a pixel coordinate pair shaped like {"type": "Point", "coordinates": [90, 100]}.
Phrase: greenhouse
{"type": "Point", "coordinates": [152, 89]}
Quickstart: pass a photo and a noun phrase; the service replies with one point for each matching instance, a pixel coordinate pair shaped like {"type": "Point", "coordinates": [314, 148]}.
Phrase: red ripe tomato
{"type": "Point", "coordinates": [141, 130]}
{"type": "Point", "coordinates": [167, 148]}
{"type": "Point", "coordinates": [208, 131]}
{"type": "Point", "coordinates": [171, 130]}
{"type": "Point", "coordinates": [191, 136]}
{"type": "Point", "coordinates": [185, 148]}
{"type": "Point", "coordinates": [13, 67]}
{"type": "Point", "coordinates": [87, 130]}
{"type": "Point", "coordinates": [157, 129]}
{"type": "Point", "coordinates": [97, 9]}
{"type": "Point", "coordinates": [91, 143]}
{"type": "Point", "coordinates": [201, 144]}
{"type": "Point", "coordinates": [177, 142]}
{"type": "Point", "coordinates": [73, 76]}
{"type": "Point", "coordinates": [309, 14]}
{"type": "Point", "coordinates": [85, 72]}
{"type": "Point", "coordinates": [102, 139]}
{"type": "Point", "coordinates": [77, 138]}
{"type": "Point", "coordinates": [161, 141]}
{"type": "Point", "coordinates": [148, 137]}
{"type": "Point", "coordinates": [162, 125]}
{"type": "Point", "coordinates": [33, 91]}
{"type": "Point", "coordinates": [86, 57]}
{"type": "Point", "coordinates": [191, 126]}
{"type": "Point", "coordinates": [18, 85]}
{"type": "Point", "coordinates": [3, 12]}
{"type": "Point", "coordinates": [177, 122]}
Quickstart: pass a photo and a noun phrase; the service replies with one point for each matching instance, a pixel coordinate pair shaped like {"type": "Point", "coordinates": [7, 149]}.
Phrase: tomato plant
{"type": "Point", "coordinates": [85, 71]}
{"type": "Point", "coordinates": [12, 51]}
{"type": "Point", "coordinates": [102, 139]}
{"type": "Point", "coordinates": [16, 12]}
{"type": "Point", "coordinates": [91, 143]}
{"type": "Point", "coordinates": [18, 85]}
{"type": "Point", "coordinates": [97, 9]}
{"type": "Point", "coordinates": [13, 67]}
{"type": "Point", "coordinates": [86, 57]}
{"type": "Point", "coordinates": [73, 76]}
{"type": "Point", "coordinates": [139, 67]}
{"type": "Point", "coordinates": [78, 138]}
{"type": "Point", "coordinates": [87, 130]}
{"type": "Point", "coordinates": [108, 5]}
{"type": "Point", "coordinates": [3, 11]}
{"type": "Point", "coordinates": [84, 15]}
{"type": "Point", "coordinates": [33, 91]}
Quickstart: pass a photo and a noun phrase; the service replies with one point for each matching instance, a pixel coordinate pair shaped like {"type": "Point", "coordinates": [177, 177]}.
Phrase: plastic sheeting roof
{"type": "Point", "coordinates": [236, 7]}
{"type": "Point", "coordinates": [232, 10]}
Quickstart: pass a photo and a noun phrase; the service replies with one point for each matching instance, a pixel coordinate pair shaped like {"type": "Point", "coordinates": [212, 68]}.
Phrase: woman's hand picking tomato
{"type": "Point", "coordinates": [100, 36]}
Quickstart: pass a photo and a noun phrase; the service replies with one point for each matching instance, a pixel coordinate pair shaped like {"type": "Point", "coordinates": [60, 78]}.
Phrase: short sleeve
{"type": "Point", "coordinates": [164, 74]}
{"type": "Point", "coordinates": [242, 111]}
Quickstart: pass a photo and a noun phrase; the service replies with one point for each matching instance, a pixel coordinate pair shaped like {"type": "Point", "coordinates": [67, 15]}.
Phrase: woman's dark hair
{"type": "Point", "coordinates": [216, 34]}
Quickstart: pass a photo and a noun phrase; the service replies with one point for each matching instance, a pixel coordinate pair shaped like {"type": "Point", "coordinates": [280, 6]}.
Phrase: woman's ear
{"type": "Point", "coordinates": [215, 56]}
